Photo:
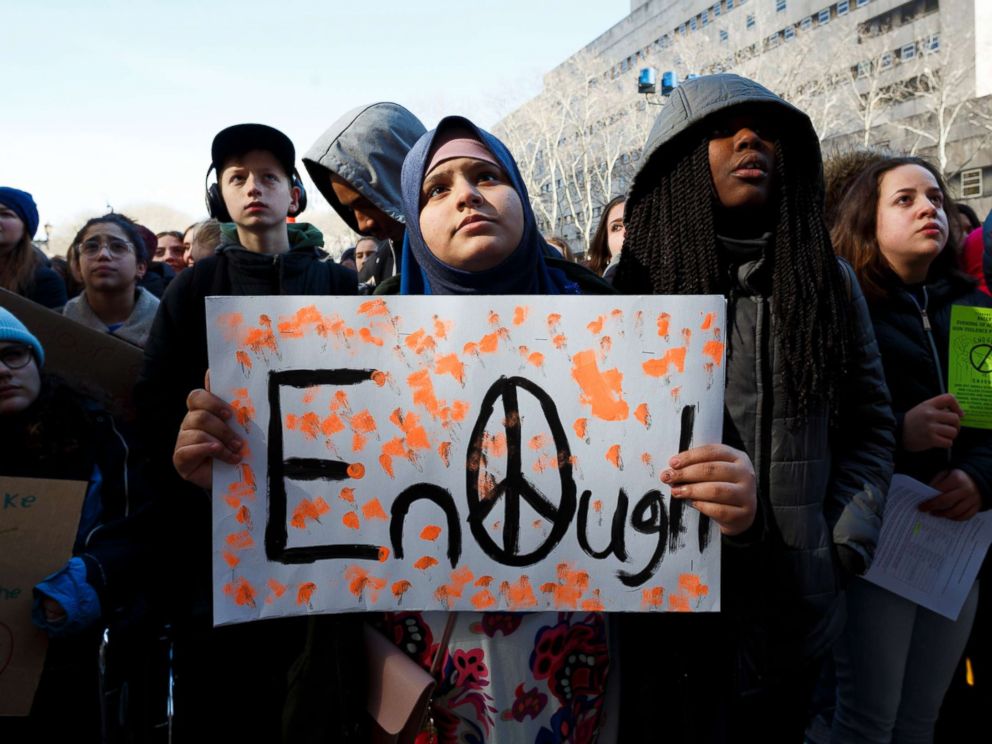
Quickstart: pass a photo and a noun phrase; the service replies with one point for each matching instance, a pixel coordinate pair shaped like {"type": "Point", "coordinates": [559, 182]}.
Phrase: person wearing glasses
{"type": "Point", "coordinates": [49, 431]}
{"type": "Point", "coordinates": [109, 256]}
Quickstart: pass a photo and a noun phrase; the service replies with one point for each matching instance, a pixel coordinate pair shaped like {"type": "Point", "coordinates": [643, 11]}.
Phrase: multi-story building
{"type": "Point", "coordinates": [907, 75]}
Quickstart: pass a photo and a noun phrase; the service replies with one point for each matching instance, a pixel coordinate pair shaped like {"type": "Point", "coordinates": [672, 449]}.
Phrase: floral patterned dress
{"type": "Point", "coordinates": [512, 677]}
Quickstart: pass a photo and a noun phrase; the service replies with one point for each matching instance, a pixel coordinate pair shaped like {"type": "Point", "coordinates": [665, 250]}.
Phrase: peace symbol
{"type": "Point", "coordinates": [981, 358]}
{"type": "Point", "coordinates": [515, 486]}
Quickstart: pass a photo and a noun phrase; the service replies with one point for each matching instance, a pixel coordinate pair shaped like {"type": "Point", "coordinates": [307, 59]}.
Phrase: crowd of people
{"type": "Point", "coordinates": [839, 297]}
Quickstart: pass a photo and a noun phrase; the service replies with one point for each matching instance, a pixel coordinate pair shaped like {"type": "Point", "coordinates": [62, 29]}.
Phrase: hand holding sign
{"type": "Point", "coordinates": [205, 434]}
{"type": "Point", "coordinates": [719, 482]}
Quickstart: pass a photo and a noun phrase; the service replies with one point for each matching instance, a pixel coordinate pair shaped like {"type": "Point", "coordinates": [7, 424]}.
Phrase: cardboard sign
{"type": "Point", "coordinates": [453, 453]}
{"type": "Point", "coordinates": [38, 522]}
{"type": "Point", "coordinates": [969, 376]}
{"type": "Point", "coordinates": [98, 365]}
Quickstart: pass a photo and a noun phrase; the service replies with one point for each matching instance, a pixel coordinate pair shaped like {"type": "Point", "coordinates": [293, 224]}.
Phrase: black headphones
{"type": "Point", "coordinates": [217, 209]}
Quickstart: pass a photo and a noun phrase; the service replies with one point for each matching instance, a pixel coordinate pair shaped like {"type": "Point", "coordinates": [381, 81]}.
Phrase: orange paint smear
{"type": "Point", "coordinates": [379, 377]}
{"type": "Point", "coordinates": [244, 488]}
{"type": "Point", "coordinates": [663, 322]}
{"type": "Point", "coordinates": [299, 324]}
{"type": "Point", "coordinates": [679, 603]}
{"type": "Point", "coordinates": [483, 600]}
{"type": "Point", "coordinates": [358, 443]}
{"type": "Point", "coordinates": [553, 319]}
{"type": "Point", "coordinates": [597, 325]}
{"type": "Point", "coordinates": [419, 342]}
{"type": "Point", "coordinates": [676, 392]}
{"type": "Point", "coordinates": [240, 540]}
{"type": "Point", "coordinates": [233, 501]}
{"type": "Point", "coordinates": [536, 359]}
{"type": "Point", "coordinates": [331, 425]}
{"type": "Point", "coordinates": [399, 588]}
{"type": "Point", "coordinates": [441, 327]}
{"type": "Point", "coordinates": [309, 424]}
{"type": "Point", "coordinates": [484, 581]}
{"type": "Point", "coordinates": [605, 344]}
{"type": "Point", "coordinates": [361, 581]}
{"type": "Point", "coordinates": [366, 335]}
{"type": "Point", "coordinates": [646, 458]}
{"type": "Point", "coordinates": [258, 339]}
{"type": "Point", "coordinates": [243, 359]}
{"type": "Point", "coordinates": [356, 470]}
{"type": "Point", "coordinates": [580, 427]}
{"type": "Point", "coordinates": [422, 388]}
{"type": "Point", "coordinates": [659, 367]}
{"type": "Point", "coordinates": [470, 348]}
{"type": "Point", "coordinates": [450, 364]}
{"type": "Point", "coordinates": [350, 520]}
{"type": "Point", "coordinates": [489, 344]}
{"type": "Point", "coordinates": [305, 592]}
{"type": "Point", "coordinates": [383, 554]}
{"type": "Point", "coordinates": [520, 314]}
{"type": "Point", "coordinates": [600, 390]}
{"type": "Point", "coordinates": [454, 588]}
{"type": "Point", "coordinates": [494, 446]}
{"type": "Point", "coordinates": [537, 442]}
{"type": "Point", "coordinates": [594, 603]}
{"type": "Point", "coordinates": [597, 506]}
{"type": "Point", "coordinates": [231, 559]}
{"type": "Point", "coordinates": [347, 494]}
{"type": "Point", "coordinates": [393, 448]}
{"type": "Point", "coordinates": [424, 562]}
{"type": "Point", "coordinates": [518, 595]}
{"type": "Point", "coordinates": [642, 414]}
{"type": "Point", "coordinates": [373, 510]}
{"type": "Point", "coordinates": [546, 462]}
{"type": "Point", "coordinates": [708, 321]}
{"type": "Point", "coordinates": [493, 318]}
{"type": "Point", "coordinates": [242, 592]}
{"type": "Point", "coordinates": [230, 324]}
{"type": "Point", "coordinates": [691, 584]}
{"type": "Point", "coordinates": [277, 589]}
{"type": "Point", "coordinates": [559, 341]}
{"type": "Point", "coordinates": [714, 350]}
{"type": "Point", "coordinates": [430, 533]}
{"type": "Point", "coordinates": [244, 411]}
{"type": "Point", "coordinates": [444, 452]}
{"type": "Point", "coordinates": [373, 307]}
{"type": "Point", "coordinates": [652, 596]}
{"type": "Point", "coordinates": [307, 509]}
{"type": "Point", "coordinates": [569, 589]}
{"type": "Point", "coordinates": [362, 422]}
{"type": "Point", "coordinates": [613, 457]}
{"type": "Point", "coordinates": [340, 401]}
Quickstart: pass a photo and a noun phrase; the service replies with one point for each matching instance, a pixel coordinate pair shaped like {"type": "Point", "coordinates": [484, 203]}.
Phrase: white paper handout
{"type": "Point", "coordinates": [463, 453]}
{"type": "Point", "coordinates": [926, 559]}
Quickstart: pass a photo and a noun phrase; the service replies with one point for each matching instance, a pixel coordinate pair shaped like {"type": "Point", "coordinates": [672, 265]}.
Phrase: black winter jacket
{"type": "Point", "coordinates": [915, 374]}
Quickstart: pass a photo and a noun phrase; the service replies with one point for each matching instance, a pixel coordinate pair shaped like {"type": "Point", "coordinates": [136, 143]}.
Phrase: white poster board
{"type": "Point", "coordinates": [483, 453]}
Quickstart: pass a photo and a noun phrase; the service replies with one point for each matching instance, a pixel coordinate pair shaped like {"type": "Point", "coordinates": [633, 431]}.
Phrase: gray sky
{"type": "Point", "coordinates": [117, 102]}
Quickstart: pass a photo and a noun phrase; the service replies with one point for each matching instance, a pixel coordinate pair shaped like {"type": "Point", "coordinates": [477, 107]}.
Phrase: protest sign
{"type": "Point", "coordinates": [95, 364]}
{"type": "Point", "coordinates": [969, 376]}
{"type": "Point", "coordinates": [463, 453]}
{"type": "Point", "coordinates": [38, 521]}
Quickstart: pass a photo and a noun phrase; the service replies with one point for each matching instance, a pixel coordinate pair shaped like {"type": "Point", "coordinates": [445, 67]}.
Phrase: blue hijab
{"type": "Point", "coordinates": [522, 272]}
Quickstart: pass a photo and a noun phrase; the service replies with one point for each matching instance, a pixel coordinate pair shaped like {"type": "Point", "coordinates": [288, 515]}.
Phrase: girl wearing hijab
{"type": "Point", "coordinates": [504, 677]}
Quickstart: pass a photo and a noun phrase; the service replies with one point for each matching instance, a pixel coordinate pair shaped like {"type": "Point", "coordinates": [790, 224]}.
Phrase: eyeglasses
{"type": "Point", "coordinates": [15, 357]}
{"type": "Point", "coordinates": [117, 248]}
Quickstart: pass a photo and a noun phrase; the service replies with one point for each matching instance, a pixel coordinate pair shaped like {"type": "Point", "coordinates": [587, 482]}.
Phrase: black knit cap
{"type": "Point", "coordinates": [242, 138]}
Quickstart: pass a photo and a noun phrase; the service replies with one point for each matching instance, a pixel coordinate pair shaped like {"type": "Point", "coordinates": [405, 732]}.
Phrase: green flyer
{"type": "Point", "coordinates": [969, 376]}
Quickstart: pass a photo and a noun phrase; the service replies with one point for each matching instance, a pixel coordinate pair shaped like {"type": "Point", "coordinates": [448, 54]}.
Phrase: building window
{"type": "Point", "coordinates": [971, 183]}
{"type": "Point", "coordinates": [773, 40]}
{"type": "Point", "coordinates": [730, 4]}
{"type": "Point", "coordinates": [724, 36]}
{"type": "Point", "coordinates": [932, 43]}
{"type": "Point", "coordinates": [790, 32]}
{"type": "Point", "coordinates": [716, 9]}
{"type": "Point", "coordinates": [886, 60]}
{"type": "Point", "coordinates": [907, 52]}
{"type": "Point", "coordinates": [843, 7]}
{"type": "Point", "coordinates": [779, 6]}
{"type": "Point", "coordinates": [863, 69]}
{"type": "Point", "coordinates": [692, 24]}
{"type": "Point", "coordinates": [823, 16]}
{"type": "Point", "coordinates": [682, 29]}
{"type": "Point", "coordinates": [806, 23]}
{"type": "Point", "coordinates": [750, 21]}
{"type": "Point", "coordinates": [705, 18]}
{"type": "Point", "coordinates": [861, 3]}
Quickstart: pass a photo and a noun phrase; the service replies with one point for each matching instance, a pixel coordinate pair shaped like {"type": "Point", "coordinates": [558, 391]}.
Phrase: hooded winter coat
{"type": "Point", "coordinates": [366, 148]}
{"type": "Point", "coordinates": [820, 486]}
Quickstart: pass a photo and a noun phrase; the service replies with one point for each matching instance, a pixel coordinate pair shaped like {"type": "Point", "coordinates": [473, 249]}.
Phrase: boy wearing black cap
{"type": "Point", "coordinates": [240, 668]}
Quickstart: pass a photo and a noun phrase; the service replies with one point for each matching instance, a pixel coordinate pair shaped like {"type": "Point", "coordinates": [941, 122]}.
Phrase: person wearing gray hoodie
{"type": "Point", "coordinates": [728, 200]}
{"type": "Point", "coordinates": [356, 165]}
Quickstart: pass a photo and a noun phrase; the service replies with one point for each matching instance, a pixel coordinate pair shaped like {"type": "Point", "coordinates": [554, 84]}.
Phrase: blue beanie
{"type": "Point", "coordinates": [23, 203]}
{"type": "Point", "coordinates": [11, 329]}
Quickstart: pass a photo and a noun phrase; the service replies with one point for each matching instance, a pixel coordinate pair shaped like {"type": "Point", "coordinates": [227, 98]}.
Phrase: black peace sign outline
{"type": "Point", "coordinates": [985, 365]}
{"type": "Point", "coordinates": [515, 486]}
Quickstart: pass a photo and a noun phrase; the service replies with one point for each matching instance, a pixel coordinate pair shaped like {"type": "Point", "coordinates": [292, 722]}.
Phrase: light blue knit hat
{"type": "Point", "coordinates": [11, 329]}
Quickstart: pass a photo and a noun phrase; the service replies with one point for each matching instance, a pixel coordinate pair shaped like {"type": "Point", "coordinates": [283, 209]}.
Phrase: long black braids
{"type": "Point", "coordinates": [671, 248]}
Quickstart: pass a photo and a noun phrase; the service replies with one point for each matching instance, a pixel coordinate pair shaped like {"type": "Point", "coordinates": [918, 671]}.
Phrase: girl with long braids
{"type": "Point", "coordinates": [728, 201]}
{"type": "Point", "coordinates": [897, 226]}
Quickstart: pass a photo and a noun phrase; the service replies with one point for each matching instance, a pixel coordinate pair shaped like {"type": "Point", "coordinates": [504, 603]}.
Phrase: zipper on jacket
{"type": "Point", "coordinates": [928, 331]}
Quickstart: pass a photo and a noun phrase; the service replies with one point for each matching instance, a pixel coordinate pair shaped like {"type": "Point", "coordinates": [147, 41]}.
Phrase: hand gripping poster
{"type": "Point", "coordinates": [463, 453]}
